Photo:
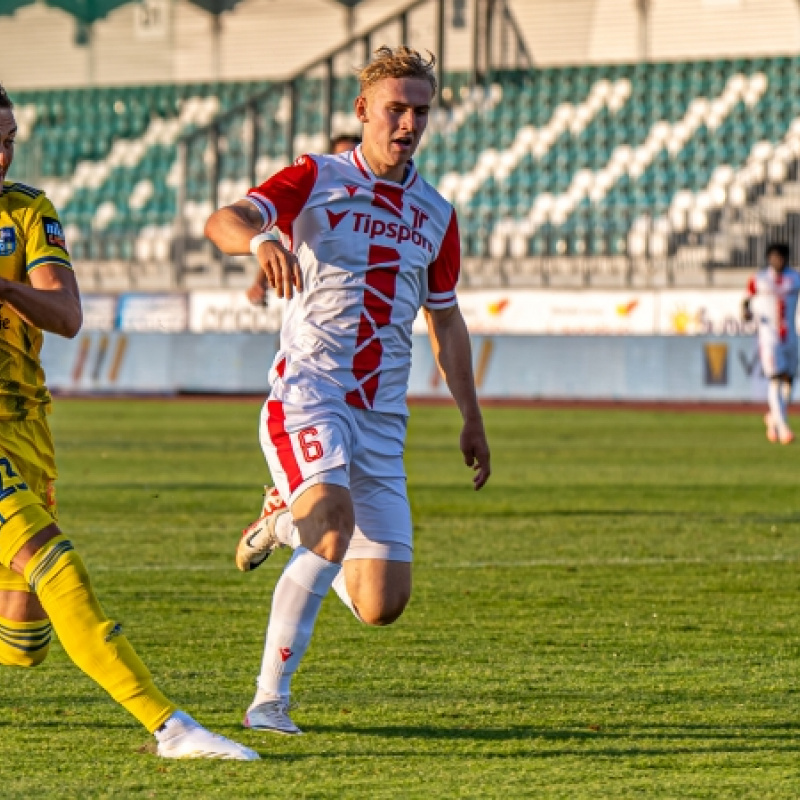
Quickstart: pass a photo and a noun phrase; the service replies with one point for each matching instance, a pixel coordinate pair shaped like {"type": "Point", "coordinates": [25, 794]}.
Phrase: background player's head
{"type": "Point", "coordinates": [8, 130]}
{"type": "Point", "coordinates": [397, 88]}
{"type": "Point", "coordinates": [778, 255]}
{"type": "Point", "coordinates": [344, 143]}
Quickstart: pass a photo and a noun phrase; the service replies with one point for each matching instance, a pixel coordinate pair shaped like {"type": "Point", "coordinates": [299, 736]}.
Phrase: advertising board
{"type": "Point", "coordinates": [99, 312]}
{"type": "Point", "coordinates": [229, 311]}
{"type": "Point", "coordinates": [154, 313]}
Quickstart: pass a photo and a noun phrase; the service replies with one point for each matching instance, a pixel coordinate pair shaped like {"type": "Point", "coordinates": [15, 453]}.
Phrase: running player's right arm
{"type": "Point", "coordinates": [231, 229]}
{"type": "Point", "coordinates": [276, 203]}
{"type": "Point", "coordinates": [747, 311]}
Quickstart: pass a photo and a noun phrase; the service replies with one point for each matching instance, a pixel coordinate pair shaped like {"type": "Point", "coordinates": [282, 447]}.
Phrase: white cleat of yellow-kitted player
{"type": "Point", "coordinates": [182, 737]}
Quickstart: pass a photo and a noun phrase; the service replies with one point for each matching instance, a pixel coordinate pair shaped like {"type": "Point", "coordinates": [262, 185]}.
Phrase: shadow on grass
{"type": "Point", "coordinates": [782, 731]}
{"type": "Point", "coordinates": [533, 513]}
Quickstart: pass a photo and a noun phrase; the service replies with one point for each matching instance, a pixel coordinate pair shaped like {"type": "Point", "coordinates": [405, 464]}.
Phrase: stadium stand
{"type": "Point", "coordinates": [653, 172]}
{"type": "Point", "coordinates": [591, 162]}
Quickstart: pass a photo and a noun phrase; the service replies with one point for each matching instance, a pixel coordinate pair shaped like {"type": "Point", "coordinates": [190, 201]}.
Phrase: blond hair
{"type": "Point", "coordinates": [400, 62]}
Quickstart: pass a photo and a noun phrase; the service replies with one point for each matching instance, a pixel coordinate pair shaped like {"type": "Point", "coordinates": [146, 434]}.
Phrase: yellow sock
{"type": "Point", "coordinates": [95, 643]}
{"type": "Point", "coordinates": [24, 644]}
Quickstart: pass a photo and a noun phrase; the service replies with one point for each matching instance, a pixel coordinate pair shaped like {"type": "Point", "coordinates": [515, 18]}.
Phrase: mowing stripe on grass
{"type": "Point", "coordinates": [656, 561]}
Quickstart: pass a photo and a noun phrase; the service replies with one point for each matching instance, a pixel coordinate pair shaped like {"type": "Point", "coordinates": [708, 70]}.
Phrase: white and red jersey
{"type": "Point", "coordinates": [371, 253]}
{"type": "Point", "coordinates": [774, 305]}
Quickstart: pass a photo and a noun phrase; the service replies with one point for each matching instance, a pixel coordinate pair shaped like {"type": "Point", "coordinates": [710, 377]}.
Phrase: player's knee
{"type": "Point", "coordinates": [382, 613]}
{"type": "Point", "coordinates": [42, 530]}
{"type": "Point", "coordinates": [24, 644]}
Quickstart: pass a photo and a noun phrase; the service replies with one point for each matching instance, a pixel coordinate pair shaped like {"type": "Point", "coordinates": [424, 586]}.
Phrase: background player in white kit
{"type": "Point", "coordinates": [772, 301]}
{"type": "Point", "coordinates": [371, 243]}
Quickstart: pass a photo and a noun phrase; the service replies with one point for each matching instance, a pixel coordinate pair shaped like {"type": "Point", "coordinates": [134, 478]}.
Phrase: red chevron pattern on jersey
{"type": "Point", "coordinates": [372, 252]}
{"type": "Point", "coordinates": [379, 293]}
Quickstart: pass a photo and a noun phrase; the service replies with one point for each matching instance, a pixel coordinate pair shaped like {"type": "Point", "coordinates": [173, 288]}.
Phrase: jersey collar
{"type": "Point", "coordinates": [357, 157]}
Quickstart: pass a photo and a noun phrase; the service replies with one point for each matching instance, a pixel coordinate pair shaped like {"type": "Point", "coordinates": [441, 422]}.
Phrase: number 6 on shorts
{"type": "Point", "coordinates": [312, 449]}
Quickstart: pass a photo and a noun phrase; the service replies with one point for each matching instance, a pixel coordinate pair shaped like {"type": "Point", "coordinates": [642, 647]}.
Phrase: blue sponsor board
{"type": "Point", "coordinates": [153, 313]}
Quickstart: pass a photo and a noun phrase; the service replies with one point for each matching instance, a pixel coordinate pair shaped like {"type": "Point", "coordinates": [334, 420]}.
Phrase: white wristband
{"type": "Point", "coordinates": [259, 238]}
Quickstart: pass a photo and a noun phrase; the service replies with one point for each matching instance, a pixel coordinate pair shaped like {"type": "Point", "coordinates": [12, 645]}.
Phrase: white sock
{"type": "Point", "coordinates": [786, 395]}
{"type": "Point", "coordinates": [287, 532]}
{"type": "Point", "coordinates": [777, 409]}
{"type": "Point", "coordinates": [340, 587]}
{"type": "Point", "coordinates": [178, 724]}
{"type": "Point", "coordinates": [296, 602]}
{"type": "Point", "coordinates": [288, 535]}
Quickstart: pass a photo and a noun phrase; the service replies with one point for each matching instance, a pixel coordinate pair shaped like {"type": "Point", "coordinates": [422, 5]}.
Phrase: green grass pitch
{"type": "Point", "coordinates": [614, 616]}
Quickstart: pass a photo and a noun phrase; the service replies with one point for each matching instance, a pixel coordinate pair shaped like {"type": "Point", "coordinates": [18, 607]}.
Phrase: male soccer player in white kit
{"type": "Point", "coordinates": [371, 243]}
{"type": "Point", "coordinates": [772, 300]}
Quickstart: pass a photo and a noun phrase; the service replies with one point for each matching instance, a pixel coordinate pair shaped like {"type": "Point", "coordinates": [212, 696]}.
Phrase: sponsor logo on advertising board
{"type": "Point", "coordinates": [657, 312]}
{"type": "Point", "coordinates": [99, 312]}
{"type": "Point", "coordinates": [99, 359]}
{"type": "Point", "coordinates": [715, 360]}
{"type": "Point", "coordinates": [229, 311]}
{"type": "Point", "coordinates": [543, 312]}
{"type": "Point", "coordinates": [152, 313]}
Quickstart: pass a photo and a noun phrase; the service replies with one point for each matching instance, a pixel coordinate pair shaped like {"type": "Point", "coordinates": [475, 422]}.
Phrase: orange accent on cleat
{"type": "Point", "coordinates": [259, 540]}
{"type": "Point", "coordinates": [787, 437]}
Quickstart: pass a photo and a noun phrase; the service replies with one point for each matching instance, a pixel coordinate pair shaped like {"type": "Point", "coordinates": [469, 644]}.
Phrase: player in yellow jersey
{"type": "Point", "coordinates": [43, 582]}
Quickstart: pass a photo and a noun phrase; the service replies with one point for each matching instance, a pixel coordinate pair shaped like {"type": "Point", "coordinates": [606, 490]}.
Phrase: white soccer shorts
{"type": "Point", "coordinates": [331, 442]}
{"type": "Point", "coordinates": [779, 359]}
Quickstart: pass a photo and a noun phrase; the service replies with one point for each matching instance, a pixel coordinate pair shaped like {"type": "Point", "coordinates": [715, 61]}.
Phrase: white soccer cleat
{"type": "Point", "coordinates": [787, 437]}
{"type": "Point", "coordinates": [271, 716]}
{"type": "Point", "coordinates": [772, 430]}
{"type": "Point", "coordinates": [182, 737]}
{"type": "Point", "coordinates": [259, 539]}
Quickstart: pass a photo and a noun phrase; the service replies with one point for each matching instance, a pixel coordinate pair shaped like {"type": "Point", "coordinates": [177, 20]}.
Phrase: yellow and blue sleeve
{"type": "Point", "coordinates": [45, 242]}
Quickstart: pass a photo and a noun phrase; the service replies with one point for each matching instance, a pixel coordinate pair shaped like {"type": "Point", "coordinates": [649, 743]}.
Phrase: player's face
{"type": "Point", "coordinates": [8, 132]}
{"type": "Point", "coordinates": [776, 261]}
{"type": "Point", "coordinates": [395, 115]}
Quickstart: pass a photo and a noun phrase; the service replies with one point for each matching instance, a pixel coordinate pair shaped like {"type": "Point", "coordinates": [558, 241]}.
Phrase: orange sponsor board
{"type": "Point", "coordinates": [701, 312]}
{"type": "Point", "coordinates": [654, 312]}
{"type": "Point", "coordinates": [557, 312]}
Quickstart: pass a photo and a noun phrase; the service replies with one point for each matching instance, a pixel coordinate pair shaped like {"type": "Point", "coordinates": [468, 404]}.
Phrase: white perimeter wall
{"type": "Point", "coordinates": [667, 368]}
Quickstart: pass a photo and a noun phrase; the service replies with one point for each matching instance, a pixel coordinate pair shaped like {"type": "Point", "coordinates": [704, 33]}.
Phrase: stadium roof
{"type": "Point", "coordinates": [89, 11]}
{"type": "Point", "coordinates": [8, 7]}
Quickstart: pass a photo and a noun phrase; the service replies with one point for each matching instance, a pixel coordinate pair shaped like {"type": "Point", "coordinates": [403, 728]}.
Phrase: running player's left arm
{"type": "Point", "coordinates": [453, 352]}
{"type": "Point", "coordinates": [50, 300]}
